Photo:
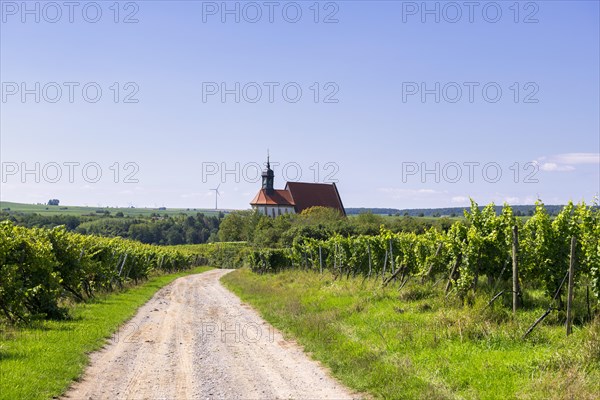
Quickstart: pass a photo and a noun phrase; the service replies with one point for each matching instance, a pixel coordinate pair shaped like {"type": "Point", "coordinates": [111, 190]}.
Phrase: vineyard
{"type": "Point", "coordinates": [42, 269]}
{"type": "Point", "coordinates": [221, 254]}
{"type": "Point", "coordinates": [431, 309]}
{"type": "Point", "coordinates": [509, 253]}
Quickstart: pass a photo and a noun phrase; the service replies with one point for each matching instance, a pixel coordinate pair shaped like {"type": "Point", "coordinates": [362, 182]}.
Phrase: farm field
{"type": "Point", "coordinates": [84, 210]}
{"type": "Point", "coordinates": [415, 343]}
{"type": "Point", "coordinates": [147, 211]}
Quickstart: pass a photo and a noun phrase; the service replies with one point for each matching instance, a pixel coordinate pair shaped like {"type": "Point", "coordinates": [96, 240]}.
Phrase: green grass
{"type": "Point", "coordinates": [416, 344]}
{"type": "Point", "coordinates": [39, 362]}
{"type": "Point", "coordinates": [84, 210]}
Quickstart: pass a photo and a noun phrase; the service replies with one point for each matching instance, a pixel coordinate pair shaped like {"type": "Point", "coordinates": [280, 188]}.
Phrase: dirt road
{"type": "Point", "coordinates": [196, 340]}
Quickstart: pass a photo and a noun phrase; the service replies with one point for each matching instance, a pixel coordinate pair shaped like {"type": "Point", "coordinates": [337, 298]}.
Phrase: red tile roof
{"type": "Point", "coordinates": [307, 195]}
{"type": "Point", "coordinates": [277, 197]}
{"type": "Point", "coordinates": [301, 196]}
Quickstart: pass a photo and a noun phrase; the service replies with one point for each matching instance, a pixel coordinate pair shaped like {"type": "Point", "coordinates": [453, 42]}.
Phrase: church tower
{"type": "Point", "coordinates": [267, 178]}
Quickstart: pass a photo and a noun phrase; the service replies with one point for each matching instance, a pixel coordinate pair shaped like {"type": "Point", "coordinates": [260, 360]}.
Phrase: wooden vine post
{"type": "Point", "coordinates": [515, 265]}
{"type": "Point", "coordinates": [369, 251]}
{"type": "Point", "coordinates": [570, 288]}
{"type": "Point", "coordinates": [384, 265]}
{"type": "Point", "coordinates": [335, 258]}
{"type": "Point", "coordinates": [432, 265]}
{"type": "Point", "coordinates": [455, 267]}
{"type": "Point", "coordinates": [305, 259]}
{"type": "Point", "coordinates": [392, 258]}
{"type": "Point", "coordinates": [320, 260]}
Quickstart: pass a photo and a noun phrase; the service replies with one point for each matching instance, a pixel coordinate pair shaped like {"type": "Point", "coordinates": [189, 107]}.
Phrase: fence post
{"type": "Point", "coordinates": [515, 265]}
{"type": "Point", "coordinates": [570, 289]}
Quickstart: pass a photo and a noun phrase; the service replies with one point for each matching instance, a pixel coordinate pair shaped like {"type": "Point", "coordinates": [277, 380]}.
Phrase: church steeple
{"type": "Point", "coordinates": [268, 177]}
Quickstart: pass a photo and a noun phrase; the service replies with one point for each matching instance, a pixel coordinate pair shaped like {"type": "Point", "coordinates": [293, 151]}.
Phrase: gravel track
{"type": "Point", "coordinates": [196, 340]}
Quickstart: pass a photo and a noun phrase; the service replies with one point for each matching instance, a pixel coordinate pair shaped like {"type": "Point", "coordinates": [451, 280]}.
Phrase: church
{"type": "Point", "coordinates": [296, 196]}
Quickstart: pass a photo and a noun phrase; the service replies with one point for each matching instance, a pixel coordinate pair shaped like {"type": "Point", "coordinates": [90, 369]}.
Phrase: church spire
{"type": "Point", "coordinates": [268, 176]}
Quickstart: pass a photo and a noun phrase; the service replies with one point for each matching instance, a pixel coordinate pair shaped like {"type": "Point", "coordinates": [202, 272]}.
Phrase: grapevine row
{"type": "Point", "coordinates": [479, 245]}
{"type": "Point", "coordinates": [41, 268]}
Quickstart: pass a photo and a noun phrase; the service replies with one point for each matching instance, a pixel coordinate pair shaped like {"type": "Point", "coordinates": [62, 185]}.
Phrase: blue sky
{"type": "Point", "coordinates": [387, 92]}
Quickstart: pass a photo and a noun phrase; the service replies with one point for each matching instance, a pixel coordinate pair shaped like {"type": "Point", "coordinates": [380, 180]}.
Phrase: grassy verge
{"type": "Point", "coordinates": [39, 362]}
{"type": "Point", "coordinates": [417, 344]}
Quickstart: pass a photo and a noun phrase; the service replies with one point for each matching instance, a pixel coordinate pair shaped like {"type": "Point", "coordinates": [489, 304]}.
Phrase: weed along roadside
{"type": "Point", "coordinates": [416, 343]}
{"type": "Point", "coordinates": [39, 360]}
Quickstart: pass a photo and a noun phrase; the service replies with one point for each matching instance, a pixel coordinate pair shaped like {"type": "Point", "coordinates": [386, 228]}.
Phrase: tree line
{"type": "Point", "coordinates": [316, 223]}
{"type": "Point", "coordinates": [155, 229]}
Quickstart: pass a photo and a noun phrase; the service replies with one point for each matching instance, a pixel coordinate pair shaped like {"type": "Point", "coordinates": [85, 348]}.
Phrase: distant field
{"type": "Point", "coordinates": [80, 210]}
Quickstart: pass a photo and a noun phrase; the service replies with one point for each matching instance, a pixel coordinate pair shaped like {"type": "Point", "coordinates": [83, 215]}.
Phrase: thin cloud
{"type": "Point", "coordinates": [566, 162]}
{"type": "Point", "coordinates": [578, 158]}
{"type": "Point", "coordinates": [554, 167]}
{"type": "Point", "coordinates": [191, 195]}
{"type": "Point", "coordinates": [460, 199]}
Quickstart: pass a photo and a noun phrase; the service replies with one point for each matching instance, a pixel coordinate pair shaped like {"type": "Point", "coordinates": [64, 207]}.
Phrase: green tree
{"type": "Point", "coordinates": [239, 226]}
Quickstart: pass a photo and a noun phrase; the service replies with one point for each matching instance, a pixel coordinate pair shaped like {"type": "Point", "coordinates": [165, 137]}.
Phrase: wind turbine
{"type": "Point", "coordinates": [217, 194]}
